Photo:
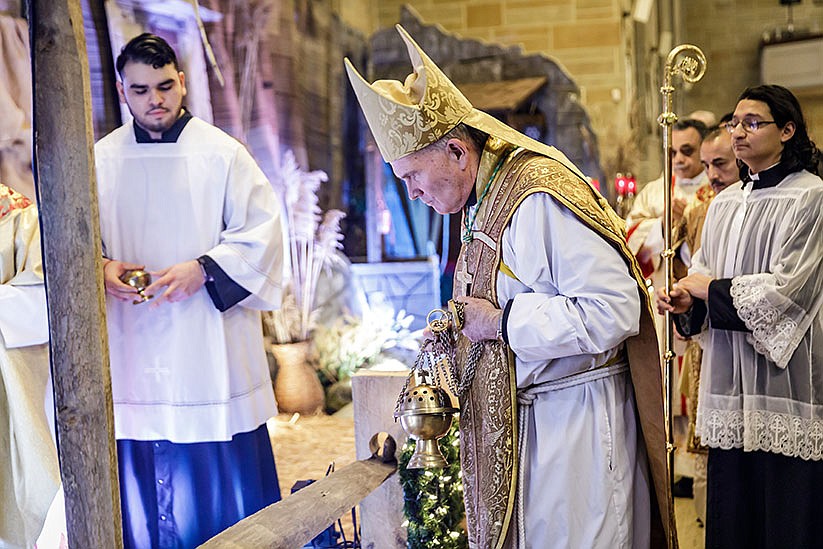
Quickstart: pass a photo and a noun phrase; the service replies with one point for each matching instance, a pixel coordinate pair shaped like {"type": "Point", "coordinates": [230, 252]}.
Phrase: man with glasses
{"type": "Point", "coordinates": [756, 285]}
{"type": "Point", "coordinates": [645, 221]}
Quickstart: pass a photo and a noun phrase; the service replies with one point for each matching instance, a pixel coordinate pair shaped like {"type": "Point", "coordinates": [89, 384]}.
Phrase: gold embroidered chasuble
{"type": "Point", "coordinates": [489, 420]}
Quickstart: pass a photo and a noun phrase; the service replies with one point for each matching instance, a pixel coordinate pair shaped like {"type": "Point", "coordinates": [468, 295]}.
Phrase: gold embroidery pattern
{"type": "Point", "coordinates": [487, 424]}
{"type": "Point", "coordinates": [406, 119]}
{"type": "Point", "coordinates": [11, 200]}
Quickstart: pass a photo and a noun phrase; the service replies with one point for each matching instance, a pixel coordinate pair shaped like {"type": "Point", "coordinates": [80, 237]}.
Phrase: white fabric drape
{"type": "Point", "coordinates": [23, 315]}
{"type": "Point", "coordinates": [764, 390]}
{"type": "Point", "coordinates": [29, 473]}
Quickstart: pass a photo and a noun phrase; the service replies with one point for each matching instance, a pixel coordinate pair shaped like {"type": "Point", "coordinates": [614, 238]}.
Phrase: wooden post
{"type": "Point", "coordinates": [374, 396]}
{"type": "Point", "coordinates": [66, 192]}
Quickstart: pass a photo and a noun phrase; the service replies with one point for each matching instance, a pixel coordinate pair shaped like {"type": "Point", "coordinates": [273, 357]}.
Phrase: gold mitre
{"type": "Point", "coordinates": [405, 117]}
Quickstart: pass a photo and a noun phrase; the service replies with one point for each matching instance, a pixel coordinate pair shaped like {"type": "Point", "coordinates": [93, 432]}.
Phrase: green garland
{"type": "Point", "coordinates": [433, 498]}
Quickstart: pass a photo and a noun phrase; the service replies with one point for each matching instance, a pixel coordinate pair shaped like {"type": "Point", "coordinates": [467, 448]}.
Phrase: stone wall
{"type": "Point", "coordinates": [598, 44]}
{"type": "Point", "coordinates": [582, 36]}
{"type": "Point", "coordinates": [471, 61]}
{"type": "Point", "coordinates": [729, 32]}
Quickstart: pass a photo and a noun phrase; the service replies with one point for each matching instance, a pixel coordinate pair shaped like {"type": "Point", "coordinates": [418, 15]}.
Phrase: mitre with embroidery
{"type": "Point", "coordinates": [405, 117]}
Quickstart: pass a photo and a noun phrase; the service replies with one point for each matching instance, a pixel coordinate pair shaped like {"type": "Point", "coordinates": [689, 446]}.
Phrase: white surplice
{"type": "Point", "coordinates": [185, 372]}
{"type": "Point", "coordinates": [23, 314]}
{"type": "Point", "coordinates": [764, 390]}
{"type": "Point", "coordinates": [574, 304]}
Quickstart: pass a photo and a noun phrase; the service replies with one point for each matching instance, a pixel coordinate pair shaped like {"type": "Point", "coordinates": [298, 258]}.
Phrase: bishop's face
{"type": "Point", "coordinates": [441, 177]}
{"type": "Point", "coordinates": [154, 96]}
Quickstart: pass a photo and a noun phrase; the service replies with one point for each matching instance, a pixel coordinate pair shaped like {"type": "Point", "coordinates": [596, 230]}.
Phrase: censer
{"type": "Point", "coordinates": [425, 414]}
{"type": "Point", "coordinates": [424, 409]}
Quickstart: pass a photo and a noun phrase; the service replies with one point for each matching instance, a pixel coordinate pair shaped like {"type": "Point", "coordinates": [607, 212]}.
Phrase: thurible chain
{"type": "Point", "coordinates": [439, 353]}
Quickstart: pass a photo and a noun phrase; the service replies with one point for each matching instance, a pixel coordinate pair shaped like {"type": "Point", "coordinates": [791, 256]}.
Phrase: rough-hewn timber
{"type": "Point", "coordinates": [64, 172]}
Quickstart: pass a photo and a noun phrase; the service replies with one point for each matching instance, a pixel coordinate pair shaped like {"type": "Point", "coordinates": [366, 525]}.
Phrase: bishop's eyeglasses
{"type": "Point", "coordinates": [750, 125]}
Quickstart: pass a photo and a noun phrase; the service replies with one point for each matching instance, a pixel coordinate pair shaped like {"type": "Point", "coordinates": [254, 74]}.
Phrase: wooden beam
{"type": "Point", "coordinates": [295, 520]}
{"type": "Point", "coordinates": [67, 199]}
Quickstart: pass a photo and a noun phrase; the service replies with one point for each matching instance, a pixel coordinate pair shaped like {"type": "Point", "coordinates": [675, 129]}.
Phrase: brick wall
{"type": "Point", "coordinates": [470, 61]}
{"type": "Point", "coordinates": [729, 32]}
{"type": "Point", "coordinates": [590, 38]}
{"type": "Point", "coordinates": [360, 15]}
{"type": "Point", "coordinates": [583, 36]}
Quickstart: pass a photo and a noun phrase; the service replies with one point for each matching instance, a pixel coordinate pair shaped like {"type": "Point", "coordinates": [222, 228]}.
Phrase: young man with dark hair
{"type": "Point", "coordinates": [755, 291]}
{"type": "Point", "coordinates": [190, 381]}
{"type": "Point", "coordinates": [148, 49]}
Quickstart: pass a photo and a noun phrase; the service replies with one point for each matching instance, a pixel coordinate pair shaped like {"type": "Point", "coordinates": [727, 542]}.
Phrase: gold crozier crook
{"type": "Point", "coordinates": [691, 66]}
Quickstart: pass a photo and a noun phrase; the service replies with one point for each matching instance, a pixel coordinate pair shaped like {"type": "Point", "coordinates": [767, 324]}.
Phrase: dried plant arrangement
{"type": "Point", "coordinates": [312, 242]}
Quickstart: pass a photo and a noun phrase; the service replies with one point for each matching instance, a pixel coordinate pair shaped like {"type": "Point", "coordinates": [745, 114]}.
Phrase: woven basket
{"type": "Point", "coordinates": [296, 385]}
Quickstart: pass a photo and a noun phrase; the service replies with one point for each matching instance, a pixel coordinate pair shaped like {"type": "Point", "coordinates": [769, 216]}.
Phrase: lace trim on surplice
{"type": "Point", "coordinates": [774, 335]}
{"type": "Point", "coordinates": [751, 430]}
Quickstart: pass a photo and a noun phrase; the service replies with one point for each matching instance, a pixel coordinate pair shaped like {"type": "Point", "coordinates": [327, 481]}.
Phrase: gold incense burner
{"type": "Point", "coordinates": [425, 412]}
{"type": "Point", "coordinates": [139, 280]}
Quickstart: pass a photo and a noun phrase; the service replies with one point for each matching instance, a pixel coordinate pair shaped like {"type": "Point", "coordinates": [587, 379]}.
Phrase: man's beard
{"type": "Point", "coordinates": [718, 186]}
{"type": "Point", "coordinates": [159, 126]}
